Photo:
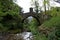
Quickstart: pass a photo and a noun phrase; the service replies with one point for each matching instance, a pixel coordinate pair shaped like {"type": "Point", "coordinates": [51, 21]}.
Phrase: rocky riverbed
{"type": "Point", "coordinates": [19, 36]}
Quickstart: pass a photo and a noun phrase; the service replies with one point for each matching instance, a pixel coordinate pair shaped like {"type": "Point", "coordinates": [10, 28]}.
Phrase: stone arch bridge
{"type": "Point", "coordinates": [38, 16]}
{"type": "Point", "coordinates": [31, 13]}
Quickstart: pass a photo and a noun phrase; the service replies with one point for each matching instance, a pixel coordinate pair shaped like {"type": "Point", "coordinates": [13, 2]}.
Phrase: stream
{"type": "Point", "coordinates": [19, 36]}
{"type": "Point", "coordinates": [26, 35]}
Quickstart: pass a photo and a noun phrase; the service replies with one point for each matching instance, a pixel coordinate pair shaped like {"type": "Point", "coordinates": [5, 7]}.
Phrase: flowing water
{"type": "Point", "coordinates": [26, 35]}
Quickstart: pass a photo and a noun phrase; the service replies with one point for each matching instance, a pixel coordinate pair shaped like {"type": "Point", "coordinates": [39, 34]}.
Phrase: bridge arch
{"type": "Point", "coordinates": [33, 17]}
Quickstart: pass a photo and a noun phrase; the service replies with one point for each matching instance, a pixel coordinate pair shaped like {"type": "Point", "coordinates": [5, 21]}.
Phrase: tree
{"type": "Point", "coordinates": [36, 5]}
{"type": "Point", "coordinates": [46, 3]}
{"type": "Point", "coordinates": [7, 6]}
{"type": "Point", "coordinates": [9, 16]}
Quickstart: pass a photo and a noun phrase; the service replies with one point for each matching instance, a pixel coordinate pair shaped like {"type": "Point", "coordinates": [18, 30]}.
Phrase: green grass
{"type": "Point", "coordinates": [54, 22]}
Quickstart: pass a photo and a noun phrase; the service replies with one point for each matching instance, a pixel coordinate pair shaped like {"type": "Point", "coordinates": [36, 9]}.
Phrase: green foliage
{"type": "Point", "coordinates": [9, 16]}
{"type": "Point", "coordinates": [8, 7]}
{"type": "Point", "coordinates": [34, 29]}
{"type": "Point", "coordinates": [53, 26]}
{"type": "Point", "coordinates": [10, 22]}
{"type": "Point", "coordinates": [33, 26]}
{"type": "Point", "coordinates": [40, 37]}
{"type": "Point", "coordinates": [54, 22]}
{"type": "Point", "coordinates": [55, 11]}
{"type": "Point", "coordinates": [26, 24]}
